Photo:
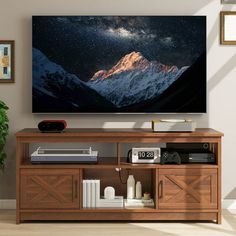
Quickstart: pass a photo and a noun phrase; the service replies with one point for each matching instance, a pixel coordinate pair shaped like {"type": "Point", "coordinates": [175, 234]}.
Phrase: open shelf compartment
{"type": "Point", "coordinates": [117, 179]}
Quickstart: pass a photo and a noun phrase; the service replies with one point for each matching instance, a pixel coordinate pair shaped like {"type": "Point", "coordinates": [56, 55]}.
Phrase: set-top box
{"type": "Point", "coordinates": [173, 125]}
{"type": "Point", "coordinates": [191, 155]}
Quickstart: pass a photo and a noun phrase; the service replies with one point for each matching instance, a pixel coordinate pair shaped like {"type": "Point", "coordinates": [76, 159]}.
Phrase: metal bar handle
{"type": "Point", "coordinates": [161, 189]}
{"type": "Point", "coordinates": [76, 188]}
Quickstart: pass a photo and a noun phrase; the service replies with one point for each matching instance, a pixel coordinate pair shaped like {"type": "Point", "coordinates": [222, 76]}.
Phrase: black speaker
{"type": "Point", "coordinates": [188, 146]}
{"type": "Point", "coordinates": [52, 126]}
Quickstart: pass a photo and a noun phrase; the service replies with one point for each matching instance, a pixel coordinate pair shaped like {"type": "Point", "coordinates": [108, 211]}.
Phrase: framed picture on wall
{"type": "Point", "coordinates": [228, 27]}
{"type": "Point", "coordinates": [7, 73]}
{"type": "Point", "coordinates": [228, 1]}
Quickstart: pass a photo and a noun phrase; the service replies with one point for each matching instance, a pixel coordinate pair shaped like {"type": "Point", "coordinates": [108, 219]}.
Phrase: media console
{"type": "Point", "coordinates": [180, 192]}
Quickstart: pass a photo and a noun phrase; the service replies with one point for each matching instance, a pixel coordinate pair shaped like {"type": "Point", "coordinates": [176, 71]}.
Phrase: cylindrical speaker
{"type": "Point", "coordinates": [52, 126]}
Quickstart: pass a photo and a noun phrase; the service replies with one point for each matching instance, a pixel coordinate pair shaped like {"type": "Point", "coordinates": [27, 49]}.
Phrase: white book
{"type": "Point", "coordinates": [109, 202]}
{"type": "Point", "coordinates": [139, 200]}
{"type": "Point", "coordinates": [117, 202]}
{"type": "Point", "coordinates": [112, 206]}
{"type": "Point", "coordinates": [84, 194]}
{"type": "Point", "coordinates": [88, 193]}
{"type": "Point", "coordinates": [97, 192]}
{"type": "Point", "coordinates": [93, 192]}
{"type": "Point", "coordinates": [138, 204]}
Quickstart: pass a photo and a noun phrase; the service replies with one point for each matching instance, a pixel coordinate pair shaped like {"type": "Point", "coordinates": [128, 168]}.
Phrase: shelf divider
{"type": "Point", "coordinates": [118, 153]}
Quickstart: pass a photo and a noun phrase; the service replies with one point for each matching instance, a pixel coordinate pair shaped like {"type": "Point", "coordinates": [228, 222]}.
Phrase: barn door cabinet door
{"type": "Point", "coordinates": [49, 188]}
{"type": "Point", "coordinates": [187, 189]}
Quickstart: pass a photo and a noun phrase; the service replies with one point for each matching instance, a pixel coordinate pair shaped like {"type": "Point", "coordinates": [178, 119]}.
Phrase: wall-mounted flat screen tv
{"type": "Point", "coordinates": [119, 64]}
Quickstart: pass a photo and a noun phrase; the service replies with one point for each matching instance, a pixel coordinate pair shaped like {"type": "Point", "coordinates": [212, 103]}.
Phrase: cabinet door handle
{"type": "Point", "coordinates": [76, 188]}
{"type": "Point", "coordinates": [161, 189]}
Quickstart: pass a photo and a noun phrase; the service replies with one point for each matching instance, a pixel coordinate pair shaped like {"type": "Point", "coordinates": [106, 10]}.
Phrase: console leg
{"type": "Point", "coordinates": [219, 218]}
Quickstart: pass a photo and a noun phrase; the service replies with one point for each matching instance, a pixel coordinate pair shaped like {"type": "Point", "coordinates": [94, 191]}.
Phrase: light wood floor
{"type": "Point", "coordinates": [9, 228]}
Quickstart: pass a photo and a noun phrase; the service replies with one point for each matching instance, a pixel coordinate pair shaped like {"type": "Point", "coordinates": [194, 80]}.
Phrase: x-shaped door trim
{"type": "Point", "coordinates": [48, 189]}
{"type": "Point", "coordinates": [185, 188]}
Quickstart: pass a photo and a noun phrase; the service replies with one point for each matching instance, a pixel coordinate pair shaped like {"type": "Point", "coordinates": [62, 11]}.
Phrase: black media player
{"type": "Point", "coordinates": [192, 156]}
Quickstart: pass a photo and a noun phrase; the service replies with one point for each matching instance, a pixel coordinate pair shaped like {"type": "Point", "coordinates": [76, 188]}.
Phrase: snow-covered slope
{"type": "Point", "coordinates": [46, 71]}
{"type": "Point", "coordinates": [56, 90]}
{"type": "Point", "coordinates": [134, 79]}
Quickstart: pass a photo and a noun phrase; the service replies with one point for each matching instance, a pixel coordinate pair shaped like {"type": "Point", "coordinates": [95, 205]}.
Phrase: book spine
{"type": "Point", "coordinates": [88, 193]}
{"type": "Point", "coordinates": [93, 192]}
{"type": "Point", "coordinates": [97, 192]}
{"type": "Point", "coordinates": [84, 194]}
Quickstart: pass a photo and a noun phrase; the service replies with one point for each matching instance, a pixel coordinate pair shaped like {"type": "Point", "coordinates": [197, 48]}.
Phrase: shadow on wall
{"type": "Point", "coordinates": [230, 64]}
{"type": "Point", "coordinates": [231, 195]}
{"type": "Point", "coordinates": [222, 73]}
{"type": "Point", "coordinates": [214, 32]}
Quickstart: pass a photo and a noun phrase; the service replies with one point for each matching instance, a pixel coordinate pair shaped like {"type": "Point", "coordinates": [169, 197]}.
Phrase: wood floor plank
{"type": "Point", "coordinates": [9, 228]}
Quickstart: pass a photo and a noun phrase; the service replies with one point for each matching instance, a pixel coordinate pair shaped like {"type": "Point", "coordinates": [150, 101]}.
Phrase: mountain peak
{"type": "Point", "coordinates": [133, 56]}
{"type": "Point", "coordinates": [129, 62]}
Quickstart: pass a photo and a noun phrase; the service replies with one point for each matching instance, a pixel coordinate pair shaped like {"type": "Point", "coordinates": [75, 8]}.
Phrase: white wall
{"type": "Point", "coordinates": [15, 23]}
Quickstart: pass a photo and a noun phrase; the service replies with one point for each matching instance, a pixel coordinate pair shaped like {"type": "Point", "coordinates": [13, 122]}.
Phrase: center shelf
{"type": "Point", "coordinates": [116, 210]}
{"type": "Point", "coordinates": [125, 165]}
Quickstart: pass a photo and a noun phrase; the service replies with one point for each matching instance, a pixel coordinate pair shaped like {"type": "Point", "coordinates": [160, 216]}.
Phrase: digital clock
{"type": "Point", "coordinates": [145, 155]}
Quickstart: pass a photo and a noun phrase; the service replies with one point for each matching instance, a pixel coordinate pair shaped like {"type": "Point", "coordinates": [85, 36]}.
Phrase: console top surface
{"type": "Point", "coordinates": [119, 132]}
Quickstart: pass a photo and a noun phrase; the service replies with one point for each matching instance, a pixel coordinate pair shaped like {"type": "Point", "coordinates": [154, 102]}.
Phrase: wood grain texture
{"type": "Point", "coordinates": [188, 189]}
{"type": "Point", "coordinates": [112, 164]}
{"type": "Point", "coordinates": [93, 132]}
{"type": "Point", "coordinates": [110, 177]}
{"type": "Point", "coordinates": [41, 188]}
{"type": "Point", "coordinates": [219, 179]}
{"type": "Point", "coordinates": [101, 228]}
{"type": "Point", "coordinates": [107, 216]}
{"type": "Point", "coordinates": [103, 210]}
{"type": "Point", "coordinates": [118, 136]}
{"type": "Point", "coordinates": [53, 192]}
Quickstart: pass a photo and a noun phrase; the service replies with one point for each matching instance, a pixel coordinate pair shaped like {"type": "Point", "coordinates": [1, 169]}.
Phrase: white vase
{"type": "Point", "coordinates": [130, 187]}
{"type": "Point", "coordinates": [138, 190]}
{"type": "Point", "coordinates": [109, 193]}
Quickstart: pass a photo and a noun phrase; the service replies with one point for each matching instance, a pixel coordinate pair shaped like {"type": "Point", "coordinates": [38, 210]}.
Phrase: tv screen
{"type": "Point", "coordinates": [119, 64]}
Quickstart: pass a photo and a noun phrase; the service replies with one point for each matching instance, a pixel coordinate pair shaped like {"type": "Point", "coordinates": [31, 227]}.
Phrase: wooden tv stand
{"type": "Point", "coordinates": [180, 192]}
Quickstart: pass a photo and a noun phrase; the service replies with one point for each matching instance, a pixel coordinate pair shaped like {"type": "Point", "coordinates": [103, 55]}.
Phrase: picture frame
{"type": "Point", "coordinates": [228, 27]}
{"type": "Point", "coordinates": [228, 1]}
{"type": "Point", "coordinates": [7, 61]}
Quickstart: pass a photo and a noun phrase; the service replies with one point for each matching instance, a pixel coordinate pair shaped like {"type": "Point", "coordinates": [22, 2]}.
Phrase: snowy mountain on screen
{"type": "Point", "coordinates": [46, 72]}
{"type": "Point", "coordinates": [56, 90]}
{"type": "Point", "coordinates": [134, 79]}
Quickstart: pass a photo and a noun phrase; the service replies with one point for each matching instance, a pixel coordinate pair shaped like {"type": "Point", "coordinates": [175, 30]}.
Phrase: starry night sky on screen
{"type": "Point", "coordinates": [85, 44]}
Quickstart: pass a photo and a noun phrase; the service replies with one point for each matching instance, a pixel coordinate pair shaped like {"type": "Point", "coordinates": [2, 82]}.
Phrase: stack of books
{"type": "Point", "coordinates": [91, 196]}
{"type": "Point", "coordinates": [91, 193]}
{"type": "Point", "coordinates": [118, 202]}
{"type": "Point", "coordinates": [138, 203]}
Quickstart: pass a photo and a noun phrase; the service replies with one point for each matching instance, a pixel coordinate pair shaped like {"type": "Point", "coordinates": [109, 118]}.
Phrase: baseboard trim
{"type": "Point", "coordinates": [11, 204]}
{"type": "Point", "coordinates": [7, 204]}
